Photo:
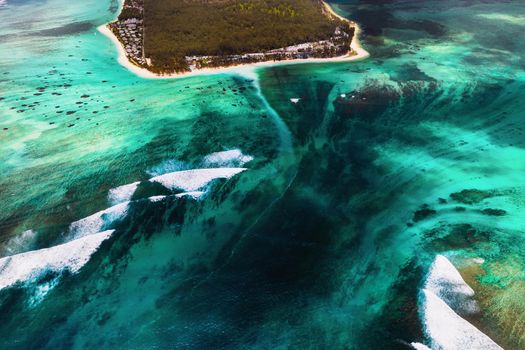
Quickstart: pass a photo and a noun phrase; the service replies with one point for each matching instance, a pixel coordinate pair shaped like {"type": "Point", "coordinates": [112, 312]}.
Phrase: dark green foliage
{"type": "Point", "coordinates": [129, 12]}
{"type": "Point", "coordinates": [175, 28]}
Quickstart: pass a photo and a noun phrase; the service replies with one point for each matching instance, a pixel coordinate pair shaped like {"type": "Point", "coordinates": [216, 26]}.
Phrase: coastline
{"type": "Point", "coordinates": [360, 54]}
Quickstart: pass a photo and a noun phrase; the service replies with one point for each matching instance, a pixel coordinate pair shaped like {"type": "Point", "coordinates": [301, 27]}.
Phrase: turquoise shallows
{"type": "Point", "coordinates": [326, 238]}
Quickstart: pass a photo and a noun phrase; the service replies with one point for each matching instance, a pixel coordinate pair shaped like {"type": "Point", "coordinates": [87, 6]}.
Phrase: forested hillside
{"type": "Point", "coordinates": [178, 28]}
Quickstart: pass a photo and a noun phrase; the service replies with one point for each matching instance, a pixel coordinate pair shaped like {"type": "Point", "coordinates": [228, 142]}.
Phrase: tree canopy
{"type": "Point", "coordinates": [178, 28]}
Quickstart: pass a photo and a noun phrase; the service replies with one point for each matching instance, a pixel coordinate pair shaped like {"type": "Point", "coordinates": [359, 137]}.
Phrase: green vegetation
{"type": "Point", "coordinates": [175, 29]}
{"type": "Point", "coordinates": [129, 12]}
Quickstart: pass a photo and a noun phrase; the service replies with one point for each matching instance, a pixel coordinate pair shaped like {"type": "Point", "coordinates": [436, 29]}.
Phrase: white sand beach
{"type": "Point", "coordinates": [357, 53]}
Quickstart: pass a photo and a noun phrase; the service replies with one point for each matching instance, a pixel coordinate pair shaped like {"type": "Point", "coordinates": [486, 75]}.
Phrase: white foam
{"type": "Point", "coordinates": [70, 256]}
{"type": "Point", "coordinates": [448, 331]}
{"type": "Point", "coordinates": [98, 221]}
{"type": "Point", "coordinates": [419, 346]}
{"type": "Point", "coordinates": [122, 193]}
{"type": "Point", "coordinates": [193, 180]}
{"type": "Point", "coordinates": [20, 242]}
{"type": "Point", "coordinates": [155, 199]}
{"type": "Point", "coordinates": [445, 282]}
{"type": "Point", "coordinates": [231, 158]}
{"type": "Point", "coordinates": [478, 260]}
{"type": "Point", "coordinates": [41, 291]}
{"type": "Point", "coordinates": [194, 194]}
{"type": "Point", "coordinates": [168, 166]}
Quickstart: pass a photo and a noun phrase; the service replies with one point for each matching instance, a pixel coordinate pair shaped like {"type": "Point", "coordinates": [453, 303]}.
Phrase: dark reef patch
{"type": "Point", "coordinates": [423, 213]}
{"type": "Point", "coordinates": [494, 212]}
{"type": "Point", "coordinates": [460, 236]}
{"type": "Point", "coordinates": [471, 196]}
{"type": "Point", "coordinates": [67, 29]}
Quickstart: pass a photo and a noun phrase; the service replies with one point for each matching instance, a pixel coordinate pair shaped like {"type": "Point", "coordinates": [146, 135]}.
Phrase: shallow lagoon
{"type": "Point", "coordinates": [327, 237]}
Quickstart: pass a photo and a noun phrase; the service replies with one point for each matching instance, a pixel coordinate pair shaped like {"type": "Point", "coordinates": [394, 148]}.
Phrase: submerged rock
{"type": "Point", "coordinates": [423, 213]}
{"type": "Point", "coordinates": [494, 212]}
{"type": "Point", "coordinates": [471, 196]}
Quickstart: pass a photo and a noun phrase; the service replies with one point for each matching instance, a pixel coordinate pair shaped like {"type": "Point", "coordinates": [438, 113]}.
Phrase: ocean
{"type": "Point", "coordinates": [353, 205]}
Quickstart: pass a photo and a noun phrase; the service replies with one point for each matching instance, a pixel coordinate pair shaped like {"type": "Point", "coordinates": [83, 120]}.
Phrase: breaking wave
{"type": "Point", "coordinates": [122, 193]}
{"type": "Point", "coordinates": [446, 283]}
{"type": "Point", "coordinates": [194, 195]}
{"type": "Point", "coordinates": [98, 221]}
{"type": "Point", "coordinates": [20, 243]}
{"type": "Point", "coordinates": [445, 293]}
{"type": "Point", "coordinates": [196, 179]}
{"type": "Point", "coordinates": [168, 166]}
{"type": "Point", "coordinates": [31, 265]}
{"type": "Point", "coordinates": [448, 331]}
{"type": "Point", "coordinates": [155, 199]}
{"type": "Point", "coordinates": [84, 236]}
{"type": "Point", "coordinates": [231, 158]}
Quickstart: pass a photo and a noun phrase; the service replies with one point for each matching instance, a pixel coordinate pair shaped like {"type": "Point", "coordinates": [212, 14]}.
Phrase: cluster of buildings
{"type": "Point", "coordinates": [129, 30]}
{"type": "Point", "coordinates": [337, 45]}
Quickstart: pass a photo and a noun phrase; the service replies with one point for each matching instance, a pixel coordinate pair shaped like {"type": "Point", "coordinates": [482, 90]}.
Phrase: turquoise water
{"type": "Point", "coordinates": [324, 241]}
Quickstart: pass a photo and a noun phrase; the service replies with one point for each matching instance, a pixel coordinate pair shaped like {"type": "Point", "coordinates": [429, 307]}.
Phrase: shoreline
{"type": "Point", "coordinates": [360, 54]}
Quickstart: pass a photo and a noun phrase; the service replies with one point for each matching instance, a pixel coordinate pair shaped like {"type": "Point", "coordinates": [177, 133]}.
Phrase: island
{"type": "Point", "coordinates": [174, 37]}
